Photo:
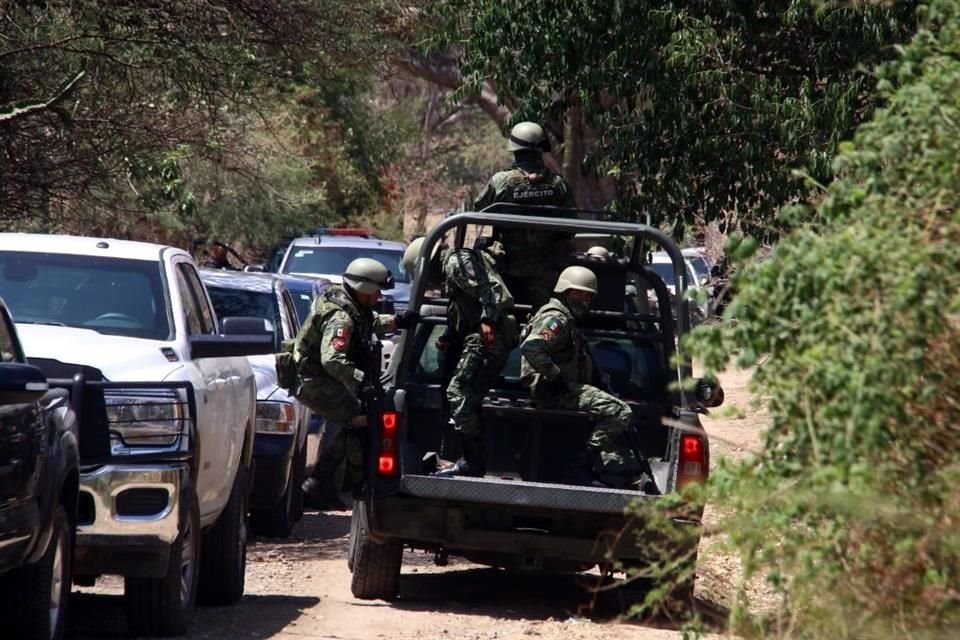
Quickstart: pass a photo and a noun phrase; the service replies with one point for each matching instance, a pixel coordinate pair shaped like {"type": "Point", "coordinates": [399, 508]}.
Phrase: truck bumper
{"type": "Point", "coordinates": [129, 517]}
{"type": "Point", "coordinates": [528, 525]}
{"type": "Point", "coordinates": [272, 454]}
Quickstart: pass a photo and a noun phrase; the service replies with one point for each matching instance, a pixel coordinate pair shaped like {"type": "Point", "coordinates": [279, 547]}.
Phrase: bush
{"type": "Point", "coordinates": [851, 510]}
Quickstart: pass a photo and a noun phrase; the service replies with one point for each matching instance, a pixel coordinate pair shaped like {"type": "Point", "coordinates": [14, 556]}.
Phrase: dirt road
{"type": "Point", "coordinates": [300, 589]}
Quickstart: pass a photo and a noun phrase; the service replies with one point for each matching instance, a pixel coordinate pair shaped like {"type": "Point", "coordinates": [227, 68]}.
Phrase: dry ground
{"type": "Point", "coordinates": [300, 588]}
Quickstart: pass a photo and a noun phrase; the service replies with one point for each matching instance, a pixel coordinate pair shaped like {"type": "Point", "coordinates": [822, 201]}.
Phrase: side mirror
{"type": "Point", "coordinates": [254, 268]}
{"type": "Point", "coordinates": [709, 393]}
{"type": "Point", "coordinates": [245, 326]}
{"type": "Point", "coordinates": [715, 271]}
{"type": "Point", "coordinates": [21, 383]}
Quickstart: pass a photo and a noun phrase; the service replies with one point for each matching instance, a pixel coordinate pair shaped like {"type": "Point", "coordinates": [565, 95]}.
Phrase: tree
{"type": "Point", "coordinates": [694, 109]}
{"type": "Point", "coordinates": [163, 85]}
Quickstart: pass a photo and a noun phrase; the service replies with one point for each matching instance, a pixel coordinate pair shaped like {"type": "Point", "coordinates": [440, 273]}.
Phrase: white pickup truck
{"type": "Point", "coordinates": [167, 413]}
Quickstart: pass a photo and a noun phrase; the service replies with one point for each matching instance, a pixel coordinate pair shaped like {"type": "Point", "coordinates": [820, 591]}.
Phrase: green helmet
{"type": "Point", "coordinates": [579, 278]}
{"type": "Point", "coordinates": [366, 275]}
{"type": "Point", "coordinates": [412, 252]}
{"type": "Point", "coordinates": [599, 252]}
{"type": "Point", "coordinates": [529, 136]}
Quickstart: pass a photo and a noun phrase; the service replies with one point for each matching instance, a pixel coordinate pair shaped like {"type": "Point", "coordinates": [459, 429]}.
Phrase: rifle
{"type": "Point", "coordinates": [632, 437]}
{"type": "Point", "coordinates": [371, 402]}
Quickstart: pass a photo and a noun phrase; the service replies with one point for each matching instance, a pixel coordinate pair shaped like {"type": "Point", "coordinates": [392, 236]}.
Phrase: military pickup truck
{"type": "Point", "coordinates": [166, 399]}
{"type": "Point", "coordinates": [521, 515]}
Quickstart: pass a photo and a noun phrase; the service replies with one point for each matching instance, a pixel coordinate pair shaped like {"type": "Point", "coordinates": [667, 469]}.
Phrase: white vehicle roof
{"type": "Point", "coordinates": [347, 241]}
{"type": "Point", "coordinates": [83, 246]}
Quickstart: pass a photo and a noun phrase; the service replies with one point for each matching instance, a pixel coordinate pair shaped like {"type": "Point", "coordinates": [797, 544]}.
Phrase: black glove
{"type": "Point", "coordinates": [406, 320]}
{"type": "Point", "coordinates": [558, 386]}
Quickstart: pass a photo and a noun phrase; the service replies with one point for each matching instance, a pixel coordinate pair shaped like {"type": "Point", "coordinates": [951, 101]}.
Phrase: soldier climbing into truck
{"type": "Point", "coordinates": [325, 367]}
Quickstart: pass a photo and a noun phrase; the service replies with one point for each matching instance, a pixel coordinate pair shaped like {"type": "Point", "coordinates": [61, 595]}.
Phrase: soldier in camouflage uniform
{"type": "Point", "coordinates": [559, 369]}
{"type": "Point", "coordinates": [533, 258]}
{"type": "Point", "coordinates": [479, 318]}
{"type": "Point", "coordinates": [327, 352]}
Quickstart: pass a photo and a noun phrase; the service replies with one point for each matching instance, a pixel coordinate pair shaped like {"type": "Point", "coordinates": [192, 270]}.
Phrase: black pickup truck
{"type": "Point", "coordinates": [39, 480]}
{"type": "Point", "coordinates": [521, 515]}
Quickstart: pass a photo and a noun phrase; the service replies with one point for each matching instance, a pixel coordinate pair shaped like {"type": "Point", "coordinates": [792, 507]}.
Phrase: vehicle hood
{"type": "Point", "coordinates": [117, 357]}
{"type": "Point", "coordinates": [265, 373]}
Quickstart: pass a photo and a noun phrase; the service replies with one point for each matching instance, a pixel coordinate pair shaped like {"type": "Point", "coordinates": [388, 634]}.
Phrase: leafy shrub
{"type": "Point", "coordinates": [851, 510]}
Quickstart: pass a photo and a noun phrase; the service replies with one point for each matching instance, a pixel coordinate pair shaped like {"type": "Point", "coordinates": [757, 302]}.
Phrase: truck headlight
{"type": "Point", "coordinates": [142, 418]}
{"type": "Point", "coordinates": [275, 417]}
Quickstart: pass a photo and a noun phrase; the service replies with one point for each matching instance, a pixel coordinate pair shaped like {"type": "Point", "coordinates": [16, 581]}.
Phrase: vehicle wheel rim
{"type": "Point", "coordinates": [187, 553]}
{"type": "Point", "coordinates": [56, 581]}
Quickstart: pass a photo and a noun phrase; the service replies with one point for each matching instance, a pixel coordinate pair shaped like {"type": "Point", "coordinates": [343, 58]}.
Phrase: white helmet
{"type": "Point", "coordinates": [529, 136]}
{"type": "Point", "coordinates": [366, 275]}
{"type": "Point", "coordinates": [599, 252]}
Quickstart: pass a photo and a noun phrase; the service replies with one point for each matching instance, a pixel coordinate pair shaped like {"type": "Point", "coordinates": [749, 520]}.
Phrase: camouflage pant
{"type": "Point", "coordinates": [612, 415]}
{"type": "Point", "coordinates": [345, 444]}
{"type": "Point", "coordinates": [476, 372]}
{"type": "Point", "coordinates": [334, 402]}
{"type": "Point", "coordinates": [329, 399]}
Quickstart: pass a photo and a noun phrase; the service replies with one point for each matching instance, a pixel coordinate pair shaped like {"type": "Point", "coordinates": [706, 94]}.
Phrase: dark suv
{"type": "Point", "coordinates": [39, 478]}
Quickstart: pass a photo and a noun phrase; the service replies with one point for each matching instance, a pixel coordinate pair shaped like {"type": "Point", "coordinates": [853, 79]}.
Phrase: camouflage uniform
{"type": "Point", "coordinates": [329, 345]}
{"type": "Point", "coordinates": [552, 346]}
{"type": "Point", "coordinates": [533, 258]}
{"type": "Point", "coordinates": [477, 293]}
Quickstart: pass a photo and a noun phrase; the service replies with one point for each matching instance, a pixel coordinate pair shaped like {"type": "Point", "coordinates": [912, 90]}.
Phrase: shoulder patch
{"type": "Point", "coordinates": [341, 336]}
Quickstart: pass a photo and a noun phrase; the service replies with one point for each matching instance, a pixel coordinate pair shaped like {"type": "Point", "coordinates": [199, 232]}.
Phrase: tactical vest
{"type": "Point", "coordinates": [309, 344]}
{"type": "Point", "coordinates": [570, 355]}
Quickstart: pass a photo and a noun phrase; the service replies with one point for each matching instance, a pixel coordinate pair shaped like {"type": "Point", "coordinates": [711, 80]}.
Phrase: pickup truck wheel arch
{"type": "Point", "coordinates": [224, 559]}
{"type": "Point", "coordinates": [164, 606]}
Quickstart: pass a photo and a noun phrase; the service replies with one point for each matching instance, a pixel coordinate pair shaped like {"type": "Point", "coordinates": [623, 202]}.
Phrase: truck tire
{"type": "Point", "coordinates": [376, 566]}
{"type": "Point", "coordinates": [223, 564]}
{"type": "Point", "coordinates": [164, 606]}
{"type": "Point", "coordinates": [35, 596]}
{"type": "Point", "coordinates": [278, 521]}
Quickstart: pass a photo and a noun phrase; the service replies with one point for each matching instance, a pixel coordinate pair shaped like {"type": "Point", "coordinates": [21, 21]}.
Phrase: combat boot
{"type": "Point", "coordinates": [471, 464]}
{"type": "Point", "coordinates": [581, 471]}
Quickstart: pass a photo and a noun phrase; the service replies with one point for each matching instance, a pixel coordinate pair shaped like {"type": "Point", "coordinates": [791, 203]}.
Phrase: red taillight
{"type": "Point", "coordinates": [692, 465]}
{"type": "Point", "coordinates": [387, 465]}
{"type": "Point", "coordinates": [387, 461]}
{"type": "Point", "coordinates": [389, 420]}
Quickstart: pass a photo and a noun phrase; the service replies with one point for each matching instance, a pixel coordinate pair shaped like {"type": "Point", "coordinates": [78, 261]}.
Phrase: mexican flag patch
{"type": "Point", "coordinates": [554, 326]}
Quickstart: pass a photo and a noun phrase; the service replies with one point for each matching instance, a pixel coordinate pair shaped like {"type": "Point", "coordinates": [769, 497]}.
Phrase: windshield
{"type": "Point", "coordinates": [236, 302]}
{"type": "Point", "coordinates": [665, 271]}
{"type": "Point", "coordinates": [322, 260]}
{"type": "Point", "coordinates": [699, 265]}
{"type": "Point", "coordinates": [635, 367]}
{"type": "Point", "coordinates": [108, 295]}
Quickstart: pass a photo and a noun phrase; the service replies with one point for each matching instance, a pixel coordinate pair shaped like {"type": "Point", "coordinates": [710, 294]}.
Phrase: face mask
{"type": "Point", "coordinates": [578, 308]}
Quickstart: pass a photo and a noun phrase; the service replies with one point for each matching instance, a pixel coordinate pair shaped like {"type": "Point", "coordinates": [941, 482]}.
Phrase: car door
{"type": "Point", "coordinates": [216, 414]}
{"type": "Point", "coordinates": [291, 326]}
{"type": "Point", "coordinates": [21, 429]}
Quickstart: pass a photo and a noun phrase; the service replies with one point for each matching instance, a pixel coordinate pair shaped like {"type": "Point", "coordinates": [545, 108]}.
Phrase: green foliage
{"type": "Point", "coordinates": [202, 109]}
{"type": "Point", "coordinates": [851, 510]}
{"type": "Point", "coordinates": [702, 107]}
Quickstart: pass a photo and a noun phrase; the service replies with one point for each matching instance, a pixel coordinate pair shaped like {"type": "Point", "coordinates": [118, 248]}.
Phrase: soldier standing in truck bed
{"type": "Point", "coordinates": [480, 323]}
{"type": "Point", "coordinates": [532, 258]}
